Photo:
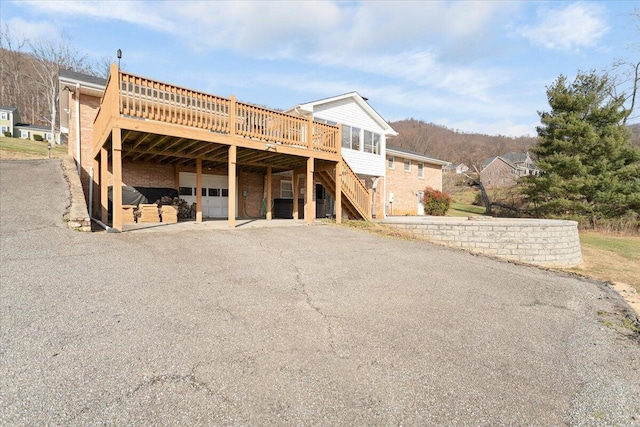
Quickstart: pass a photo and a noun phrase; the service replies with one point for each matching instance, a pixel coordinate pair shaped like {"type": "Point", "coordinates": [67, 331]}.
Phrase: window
{"type": "Point", "coordinates": [225, 192]}
{"type": "Point", "coordinates": [4, 116]}
{"type": "Point", "coordinates": [407, 165]}
{"type": "Point", "coordinates": [3, 129]}
{"type": "Point", "coordinates": [214, 192]}
{"type": "Point", "coordinates": [186, 191]}
{"type": "Point", "coordinates": [47, 136]}
{"type": "Point", "coordinates": [286, 189]}
{"type": "Point", "coordinates": [329, 122]}
{"type": "Point", "coordinates": [24, 134]}
{"type": "Point", "coordinates": [371, 142]}
{"type": "Point", "coordinates": [351, 137]}
{"type": "Point", "coordinates": [391, 162]}
{"type": "Point", "coordinates": [420, 170]}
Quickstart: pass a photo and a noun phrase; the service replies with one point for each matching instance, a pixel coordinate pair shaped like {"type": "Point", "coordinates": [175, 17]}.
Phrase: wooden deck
{"type": "Point", "coordinates": [143, 120]}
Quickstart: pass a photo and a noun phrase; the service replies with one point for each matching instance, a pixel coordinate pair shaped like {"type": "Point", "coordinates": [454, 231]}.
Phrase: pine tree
{"type": "Point", "coordinates": [590, 168]}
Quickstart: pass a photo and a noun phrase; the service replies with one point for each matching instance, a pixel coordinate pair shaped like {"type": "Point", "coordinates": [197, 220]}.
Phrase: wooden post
{"type": "Point", "coordinates": [176, 178]}
{"type": "Point", "coordinates": [232, 115]}
{"type": "Point", "coordinates": [241, 186]}
{"type": "Point", "coordinates": [104, 185]}
{"type": "Point", "coordinates": [309, 207]}
{"type": "Point", "coordinates": [199, 189]}
{"type": "Point", "coordinates": [116, 159]}
{"type": "Point", "coordinates": [310, 132]}
{"type": "Point", "coordinates": [233, 192]}
{"type": "Point", "coordinates": [339, 192]}
{"type": "Point", "coordinates": [295, 184]}
{"type": "Point", "coordinates": [269, 202]}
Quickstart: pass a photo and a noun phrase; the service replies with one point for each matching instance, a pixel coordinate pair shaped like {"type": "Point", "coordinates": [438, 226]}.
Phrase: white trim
{"type": "Point", "coordinates": [417, 157]}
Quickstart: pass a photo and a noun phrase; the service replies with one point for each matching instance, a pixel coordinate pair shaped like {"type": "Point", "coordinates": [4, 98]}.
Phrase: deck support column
{"type": "Point", "coordinates": [269, 202]}
{"type": "Point", "coordinates": [309, 206]}
{"type": "Point", "coordinates": [233, 191]}
{"type": "Point", "coordinates": [338, 193]}
{"type": "Point", "coordinates": [116, 159]}
{"type": "Point", "coordinates": [198, 189]}
{"type": "Point", "coordinates": [104, 185]}
{"type": "Point", "coordinates": [295, 183]}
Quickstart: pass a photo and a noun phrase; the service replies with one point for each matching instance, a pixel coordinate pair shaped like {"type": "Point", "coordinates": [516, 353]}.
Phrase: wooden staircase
{"type": "Point", "coordinates": [356, 198]}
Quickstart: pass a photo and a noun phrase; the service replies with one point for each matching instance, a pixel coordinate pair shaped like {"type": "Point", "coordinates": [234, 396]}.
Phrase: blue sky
{"type": "Point", "coordinates": [471, 66]}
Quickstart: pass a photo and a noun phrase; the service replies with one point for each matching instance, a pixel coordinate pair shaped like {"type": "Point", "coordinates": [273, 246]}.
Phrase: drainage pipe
{"type": "Point", "coordinates": [105, 226]}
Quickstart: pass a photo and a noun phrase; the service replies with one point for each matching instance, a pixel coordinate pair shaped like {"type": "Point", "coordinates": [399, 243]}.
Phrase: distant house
{"type": "Point", "coordinates": [505, 170]}
{"type": "Point", "coordinates": [10, 122]}
{"type": "Point", "coordinates": [9, 116]}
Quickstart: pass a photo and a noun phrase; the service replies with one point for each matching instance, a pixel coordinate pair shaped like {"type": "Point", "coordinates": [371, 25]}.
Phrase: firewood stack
{"type": "Point", "coordinates": [169, 214]}
{"type": "Point", "coordinates": [148, 213]}
{"type": "Point", "coordinates": [127, 214]}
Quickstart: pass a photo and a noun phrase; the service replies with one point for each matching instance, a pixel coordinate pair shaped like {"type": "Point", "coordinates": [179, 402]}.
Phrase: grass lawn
{"type": "Point", "coordinates": [16, 149]}
{"type": "Point", "coordinates": [462, 205]}
{"type": "Point", "coordinates": [611, 258]}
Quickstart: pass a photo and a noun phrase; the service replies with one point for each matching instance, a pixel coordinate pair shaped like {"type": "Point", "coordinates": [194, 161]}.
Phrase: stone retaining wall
{"type": "Point", "coordinates": [77, 215]}
{"type": "Point", "coordinates": [533, 241]}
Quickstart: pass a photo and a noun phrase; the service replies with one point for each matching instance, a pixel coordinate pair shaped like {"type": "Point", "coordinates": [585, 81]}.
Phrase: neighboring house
{"type": "Point", "coordinates": [25, 131]}
{"type": "Point", "coordinates": [10, 122]}
{"type": "Point", "coordinates": [230, 158]}
{"type": "Point", "coordinates": [9, 117]}
{"type": "Point", "coordinates": [505, 170]}
{"type": "Point", "coordinates": [407, 176]}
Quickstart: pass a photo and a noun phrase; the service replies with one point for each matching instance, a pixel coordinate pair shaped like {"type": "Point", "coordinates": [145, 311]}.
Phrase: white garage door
{"type": "Point", "coordinates": [215, 193]}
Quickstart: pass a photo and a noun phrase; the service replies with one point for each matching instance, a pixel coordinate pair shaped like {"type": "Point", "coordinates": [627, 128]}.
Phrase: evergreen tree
{"type": "Point", "coordinates": [589, 167]}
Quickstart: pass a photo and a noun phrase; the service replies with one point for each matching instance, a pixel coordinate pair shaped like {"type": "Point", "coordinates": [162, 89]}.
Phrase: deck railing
{"type": "Point", "coordinates": [138, 97]}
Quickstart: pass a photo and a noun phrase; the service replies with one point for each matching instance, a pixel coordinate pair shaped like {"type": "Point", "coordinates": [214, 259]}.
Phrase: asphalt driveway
{"type": "Point", "coordinates": [309, 325]}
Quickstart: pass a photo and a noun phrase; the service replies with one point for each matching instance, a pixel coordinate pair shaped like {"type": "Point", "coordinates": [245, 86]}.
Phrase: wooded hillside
{"type": "Point", "coordinates": [445, 144]}
{"type": "Point", "coordinates": [470, 148]}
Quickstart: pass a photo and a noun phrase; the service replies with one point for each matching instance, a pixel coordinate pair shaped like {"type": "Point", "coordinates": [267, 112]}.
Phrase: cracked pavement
{"type": "Point", "coordinates": [309, 325]}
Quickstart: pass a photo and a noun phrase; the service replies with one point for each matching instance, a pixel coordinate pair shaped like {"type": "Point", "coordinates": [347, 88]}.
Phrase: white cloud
{"type": "Point", "coordinates": [576, 26]}
{"type": "Point", "coordinates": [32, 30]}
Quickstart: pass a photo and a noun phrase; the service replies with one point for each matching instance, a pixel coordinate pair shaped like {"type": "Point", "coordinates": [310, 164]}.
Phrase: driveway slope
{"type": "Point", "coordinates": [312, 325]}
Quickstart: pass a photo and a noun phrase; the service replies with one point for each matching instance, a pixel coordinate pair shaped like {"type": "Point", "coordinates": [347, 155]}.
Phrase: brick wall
{"type": "Point", "coordinates": [89, 106]}
{"type": "Point", "coordinates": [405, 185]}
{"type": "Point", "coordinates": [532, 241]}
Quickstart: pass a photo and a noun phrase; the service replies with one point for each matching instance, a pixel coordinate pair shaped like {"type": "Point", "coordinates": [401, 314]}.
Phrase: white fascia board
{"type": "Point", "coordinates": [417, 157]}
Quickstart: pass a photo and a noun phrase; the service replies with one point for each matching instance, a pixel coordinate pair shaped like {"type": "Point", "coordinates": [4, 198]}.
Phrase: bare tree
{"type": "Point", "coordinates": [11, 64]}
{"type": "Point", "coordinates": [51, 56]}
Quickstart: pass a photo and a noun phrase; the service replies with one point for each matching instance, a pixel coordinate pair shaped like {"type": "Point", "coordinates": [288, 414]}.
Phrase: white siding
{"type": "Point", "coordinates": [348, 112]}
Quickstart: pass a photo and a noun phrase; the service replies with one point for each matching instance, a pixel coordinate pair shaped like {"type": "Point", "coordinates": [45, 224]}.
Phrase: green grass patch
{"type": "Point", "coordinates": [28, 147]}
{"type": "Point", "coordinates": [463, 209]}
{"type": "Point", "coordinates": [628, 248]}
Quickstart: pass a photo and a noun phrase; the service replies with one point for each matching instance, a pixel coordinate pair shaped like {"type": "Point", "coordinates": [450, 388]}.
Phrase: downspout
{"type": "Point", "coordinates": [90, 191]}
{"type": "Point", "coordinates": [78, 129]}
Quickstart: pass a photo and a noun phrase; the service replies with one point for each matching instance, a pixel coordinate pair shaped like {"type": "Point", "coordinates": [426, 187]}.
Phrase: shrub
{"type": "Point", "coordinates": [7, 134]}
{"type": "Point", "coordinates": [37, 137]}
{"type": "Point", "coordinates": [436, 202]}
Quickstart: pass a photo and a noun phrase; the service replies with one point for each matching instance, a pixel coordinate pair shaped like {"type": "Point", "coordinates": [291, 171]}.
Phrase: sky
{"type": "Point", "coordinates": [472, 66]}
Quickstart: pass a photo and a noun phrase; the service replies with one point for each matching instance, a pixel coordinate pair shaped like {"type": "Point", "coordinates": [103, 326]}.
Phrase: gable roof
{"type": "Point", "coordinates": [308, 108]}
{"type": "Point", "coordinates": [412, 155]}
